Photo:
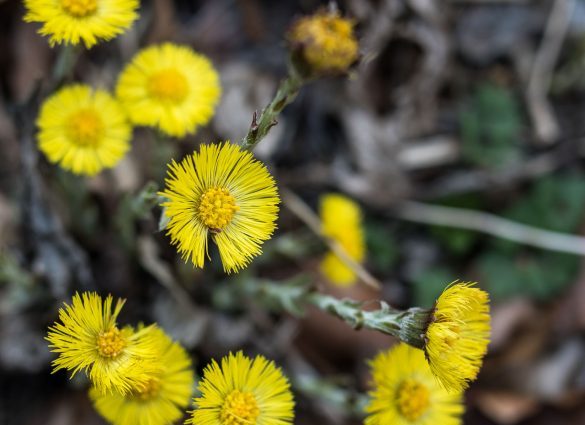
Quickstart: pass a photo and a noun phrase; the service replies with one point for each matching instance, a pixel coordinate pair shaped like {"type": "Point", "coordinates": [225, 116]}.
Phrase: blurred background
{"type": "Point", "coordinates": [463, 120]}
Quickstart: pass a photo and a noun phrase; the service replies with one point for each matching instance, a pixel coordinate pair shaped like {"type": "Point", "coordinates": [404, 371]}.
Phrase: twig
{"type": "Point", "coordinates": [546, 126]}
{"type": "Point", "coordinates": [491, 225]}
{"type": "Point", "coordinates": [299, 208]}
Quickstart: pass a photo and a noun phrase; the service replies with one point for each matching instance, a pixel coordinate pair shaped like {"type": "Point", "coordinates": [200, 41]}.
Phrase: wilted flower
{"type": "Point", "coordinates": [324, 43]}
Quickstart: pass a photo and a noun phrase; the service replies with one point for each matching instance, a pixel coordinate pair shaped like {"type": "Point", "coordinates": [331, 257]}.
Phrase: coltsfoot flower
{"type": "Point", "coordinates": [405, 391]}
{"type": "Point", "coordinates": [325, 42]}
{"type": "Point", "coordinates": [169, 87]}
{"type": "Point", "coordinates": [341, 220]}
{"type": "Point", "coordinates": [223, 192]}
{"type": "Point", "coordinates": [87, 21]}
{"type": "Point", "coordinates": [458, 334]}
{"type": "Point", "coordinates": [88, 339]}
{"type": "Point", "coordinates": [82, 129]}
{"type": "Point", "coordinates": [243, 391]}
{"type": "Point", "coordinates": [162, 400]}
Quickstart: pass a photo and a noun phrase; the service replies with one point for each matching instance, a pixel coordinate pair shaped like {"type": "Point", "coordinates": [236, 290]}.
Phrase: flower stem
{"type": "Point", "coordinates": [407, 325]}
{"type": "Point", "coordinates": [286, 93]}
{"type": "Point", "coordinates": [294, 296]}
{"type": "Point", "coordinates": [64, 64]}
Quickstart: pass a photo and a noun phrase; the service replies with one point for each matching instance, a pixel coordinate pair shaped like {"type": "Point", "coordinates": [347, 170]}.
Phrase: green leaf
{"type": "Point", "coordinates": [429, 284]}
{"type": "Point", "coordinates": [491, 126]}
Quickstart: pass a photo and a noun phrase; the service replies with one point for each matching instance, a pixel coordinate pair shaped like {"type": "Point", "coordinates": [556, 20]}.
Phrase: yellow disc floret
{"type": "Point", "coordinates": [217, 208]}
{"type": "Point", "coordinates": [79, 8]}
{"type": "Point", "coordinates": [85, 127]}
{"type": "Point", "coordinates": [239, 408]}
{"type": "Point", "coordinates": [326, 42]}
{"type": "Point", "coordinates": [149, 391]}
{"type": "Point", "coordinates": [111, 343]}
{"type": "Point", "coordinates": [168, 85]}
{"type": "Point", "coordinates": [412, 399]}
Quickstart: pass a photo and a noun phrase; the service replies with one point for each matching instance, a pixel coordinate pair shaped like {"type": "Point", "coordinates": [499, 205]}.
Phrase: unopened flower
{"type": "Point", "coordinates": [170, 87]}
{"type": "Point", "coordinates": [224, 193]}
{"type": "Point", "coordinates": [324, 42]}
{"type": "Point", "coordinates": [88, 339]}
{"type": "Point", "coordinates": [458, 334]}
{"type": "Point", "coordinates": [341, 220]}
{"type": "Point", "coordinates": [243, 391]}
{"type": "Point", "coordinates": [87, 21]}
{"type": "Point", "coordinates": [162, 400]}
{"type": "Point", "coordinates": [83, 130]}
{"type": "Point", "coordinates": [405, 391]}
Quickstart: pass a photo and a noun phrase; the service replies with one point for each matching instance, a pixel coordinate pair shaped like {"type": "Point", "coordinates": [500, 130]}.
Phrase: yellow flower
{"type": "Point", "coordinates": [88, 339]}
{"type": "Point", "coordinates": [458, 335]}
{"type": "Point", "coordinates": [243, 391]}
{"type": "Point", "coordinates": [325, 41]}
{"type": "Point", "coordinates": [342, 220]}
{"type": "Point", "coordinates": [164, 397]}
{"type": "Point", "coordinates": [74, 21]}
{"type": "Point", "coordinates": [405, 391]}
{"type": "Point", "coordinates": [83, 130]}
{"type": "Point", "coordinates": [224, 192]}
{"type": "Point", "coordinates": [169, 87]}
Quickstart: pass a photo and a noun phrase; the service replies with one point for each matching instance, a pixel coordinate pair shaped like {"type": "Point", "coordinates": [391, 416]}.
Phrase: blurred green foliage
{"type": "Point", "coordinates": [458, 241]}
{"type": "Point", "coordinates": [382, 251]}
{"type": "Point", "coordinates": [508, 269]}
{"type": "Point", "coordinates": [491, 127]}
{"type": "Point", "coordinates": [429, 284]}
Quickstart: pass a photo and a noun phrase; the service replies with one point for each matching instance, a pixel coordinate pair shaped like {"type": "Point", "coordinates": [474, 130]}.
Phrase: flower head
{"type": "Point", "coordinates": [243, 391]}
{"type": "Point", "coordinates": [169, 87]}
{"type": "Point", "coordinates": [83, 130]}
{"type": "Point", "coordinates": [342, 220]}
{"type": "Point", "coordinates": [87, 21]}
{"type": "Point", "coordinates": [325, 42]}
{"type": "Point", "coordinates": [223, 192]}
{"type": "Point", "coordinates": [87, 338]}
{"type": "Point", "coordinates": [162, 399]}
{"type": "Point", "coordinates": [458, 335]}
{"type": "Point", "coordinates": [405, 392]}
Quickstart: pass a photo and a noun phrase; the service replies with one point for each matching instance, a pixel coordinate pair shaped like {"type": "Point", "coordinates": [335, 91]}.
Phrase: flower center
{"type": "Point", "coordinates": [149, 391]}
{"type": "Point", "coordinates": [239, 408]}
{"type": "Point", "coordinates": [79, 8]}
{"type": "Point", "coordinates": [412, 399]}
{"type": "Point", "coordinates": [169, 85]}
{"type": "Point", "coordinates": [85, 127]}
{"type": "Point", "coordinates": [217, 208]}
{"type": "Point", "coordinates": [111, 343]}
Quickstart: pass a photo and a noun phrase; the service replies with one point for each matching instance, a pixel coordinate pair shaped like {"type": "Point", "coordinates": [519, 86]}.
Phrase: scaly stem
{"type": "Point", "coordinates": [407, 325]}
{"type": "Point", "coordinates": [286, 93]}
